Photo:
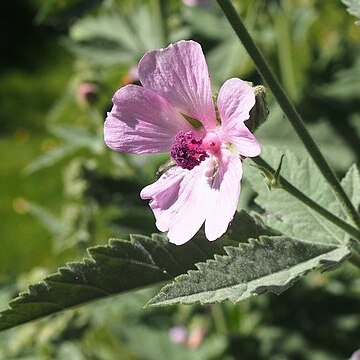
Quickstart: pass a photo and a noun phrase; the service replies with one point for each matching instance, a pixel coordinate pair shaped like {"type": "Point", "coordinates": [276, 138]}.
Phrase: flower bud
{"type": "Point", "coordinates": [260, 111]}
{"type": "Point", "coordinates": [87, 93]}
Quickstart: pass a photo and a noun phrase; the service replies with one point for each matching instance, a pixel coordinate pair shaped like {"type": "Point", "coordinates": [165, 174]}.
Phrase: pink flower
{"type": "Point", "coordinates": [204, 186]}
{"type": "Point", "coordinates": [178, 334]}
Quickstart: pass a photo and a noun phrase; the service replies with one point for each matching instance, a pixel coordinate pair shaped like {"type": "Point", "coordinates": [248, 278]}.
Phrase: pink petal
{"type": "Point", "coordinates": [225, 195]}
{"type": "Point", "coordinates": [141, 121]}
{"type": "Point", "coordinates": [179, 73]}
{"type": "Point", "coordinates": [235, 100]}
{"type": "Point", "coordinates": [180, 200]}
{"type": "Point", "coordinates": [244, 141]}
{"type": "Point", "coordinates": [163, 194]}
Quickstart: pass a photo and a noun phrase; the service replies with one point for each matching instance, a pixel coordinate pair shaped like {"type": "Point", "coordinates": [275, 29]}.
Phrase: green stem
{"type": "Point", "coordinates": [288, 108]}
{"type": "Point", "coordinates": [292, 190]}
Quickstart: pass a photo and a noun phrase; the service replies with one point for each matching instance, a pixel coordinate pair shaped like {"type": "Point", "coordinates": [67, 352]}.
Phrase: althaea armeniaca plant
{"type": "Point", "coordinates": [173, 111]}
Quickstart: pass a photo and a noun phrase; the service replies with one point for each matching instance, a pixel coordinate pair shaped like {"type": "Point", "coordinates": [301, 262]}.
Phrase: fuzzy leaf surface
{"type": "Point", "coordinates": [271, 264]}
{"type": "Point", "coordinates": [120, 266]}
{"type": "Point", "coordinates": [290, 216]}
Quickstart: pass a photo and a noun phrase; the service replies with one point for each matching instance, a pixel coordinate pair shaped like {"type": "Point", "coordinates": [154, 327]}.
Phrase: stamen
{"type": "Point", "coordinates": [186, 150]}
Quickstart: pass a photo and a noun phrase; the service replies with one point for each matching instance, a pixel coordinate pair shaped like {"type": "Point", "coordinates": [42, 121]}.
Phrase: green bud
{"type": "Point", "coordinates": [260, 111]}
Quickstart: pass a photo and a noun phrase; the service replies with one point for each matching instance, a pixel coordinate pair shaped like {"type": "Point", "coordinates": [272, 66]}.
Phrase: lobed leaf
{"type": "Point", "coordinates": [122, 266]}
{"type": "Point", "coordinates": [271, 264]}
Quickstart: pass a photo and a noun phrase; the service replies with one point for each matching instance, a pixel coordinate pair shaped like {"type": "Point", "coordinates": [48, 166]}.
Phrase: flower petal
{"type": "Point", "coordinates": [163, 194]}
{"type": "Point", "coordinates": [141, 121]}
{"type": "Point", "coordinates": [180, 200]}
{"type": "Point", "coordinates": [244, 141]}
{"type": "Point", "coordinates": [179, 73]}
{"type": "Point", "coordinates": [225, 195]}
{"type": "Point", "coordinates": [235, 100]}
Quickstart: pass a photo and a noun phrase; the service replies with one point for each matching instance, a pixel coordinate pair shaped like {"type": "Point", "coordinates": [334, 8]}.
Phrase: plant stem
{"type": "Point", "coordinates": [292, 190]}
{"type": "Point", "coordinates": [288, 108]}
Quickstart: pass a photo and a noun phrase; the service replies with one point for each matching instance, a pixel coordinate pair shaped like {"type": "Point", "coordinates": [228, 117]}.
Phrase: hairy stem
{"type": "Point", "coordinates": [292, 190]}
{"type": "Point", "coordinates": [288, 108]}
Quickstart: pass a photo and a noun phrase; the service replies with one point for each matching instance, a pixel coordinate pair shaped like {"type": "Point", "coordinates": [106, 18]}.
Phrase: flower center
{"type": "Point", "coordinates": [187, 151]}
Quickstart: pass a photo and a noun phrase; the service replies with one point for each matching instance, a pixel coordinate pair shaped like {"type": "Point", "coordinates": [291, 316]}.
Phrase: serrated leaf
{"type": "Point", "coordinates": [288, 214]}
{"type": "Point", "coordinates": [119, 267]}
{"type": "Point", "coordinates": [271, 264]}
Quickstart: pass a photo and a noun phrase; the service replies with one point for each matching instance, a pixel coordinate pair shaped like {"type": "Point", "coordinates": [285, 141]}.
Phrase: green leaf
{"type": "Point", "coordinates": [110, 39]}
{"type": "Point", "coordinates": [110, 27]}
{"type": "Point", "coordinates": [51, 158]}
{"type": "Point", "coordinates": [104, 40]}
{"type": "Point", "coordinates": [351, 184]}
{"type": "Point", "coordinates": [74, 139]}
{"type": "Point", "coordinates": [287, 214]}
{"type": "Point", "coordinates": [271, 264]}
{"type": "Point", "coordinates": [345, 87]}
{"type": "Point", "coordinates": [211, 25]}
{"type": "Point", "coordinates": [122, 266]}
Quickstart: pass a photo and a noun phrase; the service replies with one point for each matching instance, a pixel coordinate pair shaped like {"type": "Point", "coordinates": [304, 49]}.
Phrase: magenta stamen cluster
{"type": "Point", "coordinates": [186, 150]}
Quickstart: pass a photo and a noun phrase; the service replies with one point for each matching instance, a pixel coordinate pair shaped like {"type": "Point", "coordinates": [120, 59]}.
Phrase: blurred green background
{"type": "Point", "coordinates": [61, 190]}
